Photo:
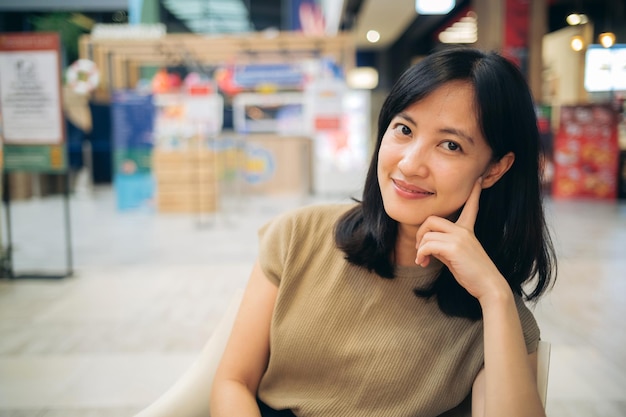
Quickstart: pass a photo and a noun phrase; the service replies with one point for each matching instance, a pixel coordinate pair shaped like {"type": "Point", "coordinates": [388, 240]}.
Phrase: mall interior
{"type": "Point", "coordinates": [158, 136]}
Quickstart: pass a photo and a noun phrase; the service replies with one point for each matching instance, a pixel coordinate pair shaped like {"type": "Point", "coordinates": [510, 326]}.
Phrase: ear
{"type": "Point", "coordinates": [497, 169]}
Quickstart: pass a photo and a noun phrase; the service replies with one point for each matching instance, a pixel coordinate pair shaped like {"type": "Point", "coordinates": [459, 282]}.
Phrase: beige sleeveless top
{"type": "Point", "coordinates": [345, 342]}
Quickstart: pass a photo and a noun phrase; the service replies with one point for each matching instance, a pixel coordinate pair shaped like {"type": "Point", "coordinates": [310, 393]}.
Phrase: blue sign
{"type": "Point", "coordinates": [280, 75]}
{"type": "Point", "coordinates": [132, 120]}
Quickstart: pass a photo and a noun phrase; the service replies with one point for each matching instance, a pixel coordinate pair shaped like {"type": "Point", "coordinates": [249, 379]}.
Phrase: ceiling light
{"type": "Point", "coordinates": [607, 39]}
{"type": "Point", "coordinates": [434, 6]}
{"type": "Point", "coordinates": [576, 19]}
{"type": "Point", "coordinates": [463, 31]}
{"type": "Point", "coordinates": [577, 43]}
{"type": "Point", "coordinates": [573, 19]}
{"type": "Point", "coordinates": [372, 36]}
{"type": "Point", "coordinates": [362, 78]}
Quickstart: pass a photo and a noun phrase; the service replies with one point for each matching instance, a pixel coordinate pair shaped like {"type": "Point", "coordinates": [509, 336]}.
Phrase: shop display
{"type": "Point", "coordinates": [183, 161]}
{"type": "Point", "coordinates": [281, 137]}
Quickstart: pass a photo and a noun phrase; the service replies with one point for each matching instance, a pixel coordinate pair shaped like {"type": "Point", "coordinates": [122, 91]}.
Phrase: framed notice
{"type": "Point", "coordinates": [30, 90]}
{"type": "Point", "coordinates": [33, 128]}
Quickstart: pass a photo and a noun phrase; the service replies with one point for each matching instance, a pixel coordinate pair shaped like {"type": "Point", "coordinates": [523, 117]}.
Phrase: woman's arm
{"type": "Point", "coordinates": [247, 352]}
{"type": "Point", "coordinates": [507, 385]}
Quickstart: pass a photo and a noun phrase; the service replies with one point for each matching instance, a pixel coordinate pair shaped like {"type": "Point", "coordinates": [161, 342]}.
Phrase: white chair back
{"type": "Point", "coordinates": [189, 396]}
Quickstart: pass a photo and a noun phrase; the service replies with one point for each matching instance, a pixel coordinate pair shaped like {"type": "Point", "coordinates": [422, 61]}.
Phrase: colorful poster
{"type": "Point", "coordinates": [586, 153]}
{"type": "Point", "coordinates": [132, 125]}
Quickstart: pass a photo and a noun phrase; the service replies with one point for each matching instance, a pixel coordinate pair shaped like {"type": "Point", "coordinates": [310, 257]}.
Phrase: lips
{"type": "Point", "coordinates": [409, 188]}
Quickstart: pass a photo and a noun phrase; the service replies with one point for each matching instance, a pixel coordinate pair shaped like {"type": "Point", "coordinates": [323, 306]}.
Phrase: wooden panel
{"type": "Point", "coordinates": [186, 181]}
{"type": "Point", "coordinates": [185, 176]}
{"type": "Point", "coordinates": [112, 56]}
{"type": "Point", "coordinates": [178, 160]}
{"type": "Point", "coordinates": [278, 164]}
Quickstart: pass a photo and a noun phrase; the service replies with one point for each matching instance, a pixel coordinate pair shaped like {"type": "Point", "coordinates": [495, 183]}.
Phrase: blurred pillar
{"type": "Point", "coordinates": [490, 15]}
{"type": "Point", "coordinates": [527, 24]}
{"type": "Point", "coordinates": [538, 29]}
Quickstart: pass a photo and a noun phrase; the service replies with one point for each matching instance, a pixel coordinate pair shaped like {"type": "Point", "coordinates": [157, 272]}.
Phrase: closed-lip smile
{"type": "Point", "coordinates": [409, 188]}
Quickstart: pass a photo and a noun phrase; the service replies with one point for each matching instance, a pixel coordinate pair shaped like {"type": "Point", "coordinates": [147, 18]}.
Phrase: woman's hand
{"type": "Point", "coordinates": [507, 385]}
{"type": "Point", "coordinates": [456, 245]}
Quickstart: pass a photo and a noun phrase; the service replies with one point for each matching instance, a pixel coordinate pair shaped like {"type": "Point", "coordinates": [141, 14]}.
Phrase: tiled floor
{"type": "Point", "coordinates": [149, 288]}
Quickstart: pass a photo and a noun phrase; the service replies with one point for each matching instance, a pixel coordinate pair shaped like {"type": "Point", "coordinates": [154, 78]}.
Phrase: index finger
{"type": "Point", "coordinates": [467, 218]}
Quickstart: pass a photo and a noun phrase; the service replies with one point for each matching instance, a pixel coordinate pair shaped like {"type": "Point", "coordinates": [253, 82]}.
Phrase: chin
{"type": "Point", "coordinates": [406, 217]}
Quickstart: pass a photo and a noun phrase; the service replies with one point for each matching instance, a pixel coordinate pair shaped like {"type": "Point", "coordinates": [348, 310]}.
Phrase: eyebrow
{"type": "Point", "coordinates": [458, 133]}
{"type": "Point", "coordinates": [448, 130]}
{"type": "Point", "coordinates": [407, 117]}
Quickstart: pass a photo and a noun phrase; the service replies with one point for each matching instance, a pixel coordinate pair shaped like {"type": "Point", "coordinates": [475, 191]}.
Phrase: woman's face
{"type": "Point", "coordinates": [431, 155]}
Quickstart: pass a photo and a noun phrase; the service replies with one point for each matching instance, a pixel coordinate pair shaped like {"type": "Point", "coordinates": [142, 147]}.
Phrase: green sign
{"type": "Point", "coordinates": [132, 161]}
{"type": "Point", "coordinates": [35, 158]}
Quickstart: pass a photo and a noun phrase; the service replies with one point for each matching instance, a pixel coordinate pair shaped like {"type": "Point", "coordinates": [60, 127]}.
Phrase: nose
{"type": "Point", "coordinates": [414, 160]}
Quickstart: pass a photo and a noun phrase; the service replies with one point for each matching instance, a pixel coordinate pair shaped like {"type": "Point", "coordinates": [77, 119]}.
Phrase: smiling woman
{"type": "Point", "coordinates": [430, 157]}
{"type": "Point", "coordinates": [408, 302]}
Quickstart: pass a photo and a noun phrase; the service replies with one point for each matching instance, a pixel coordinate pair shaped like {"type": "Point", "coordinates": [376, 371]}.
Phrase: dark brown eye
{"type": "Point", "coordinates": [451, 146]}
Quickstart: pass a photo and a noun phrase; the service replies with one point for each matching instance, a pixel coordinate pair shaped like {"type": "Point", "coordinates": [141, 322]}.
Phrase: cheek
{"type": "Point", "coordinates": [456, 183]}
{"type": "Point", "coordinates": [386, 156]}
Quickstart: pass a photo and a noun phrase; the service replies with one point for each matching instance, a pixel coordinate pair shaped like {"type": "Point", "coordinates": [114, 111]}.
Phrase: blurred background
{"type": "Point", "coordinates": [144, 142]}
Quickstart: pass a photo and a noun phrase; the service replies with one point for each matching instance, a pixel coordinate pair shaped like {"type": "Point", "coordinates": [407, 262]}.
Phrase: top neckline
{"type": "Point", "coordinates": [418, 272]}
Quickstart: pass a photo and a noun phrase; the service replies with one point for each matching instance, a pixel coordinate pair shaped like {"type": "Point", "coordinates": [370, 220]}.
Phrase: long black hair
{"type": "Point", "coordinates": [510, 224]}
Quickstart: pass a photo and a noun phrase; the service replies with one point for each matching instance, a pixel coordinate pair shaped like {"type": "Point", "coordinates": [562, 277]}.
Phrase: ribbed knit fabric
{"type": "Point", "coordinates": [345, 342]}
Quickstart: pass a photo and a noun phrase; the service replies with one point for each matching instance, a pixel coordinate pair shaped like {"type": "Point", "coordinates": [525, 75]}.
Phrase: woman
{"type": "Point", "coordinates": [409, 302]}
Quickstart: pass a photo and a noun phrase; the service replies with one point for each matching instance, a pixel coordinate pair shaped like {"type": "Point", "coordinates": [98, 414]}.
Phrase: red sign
{"type": "Point", "coordinates": [516, 28]}
{"type": "Point", "coordinates": [586, 153]}
{"type": "Point", "coordinates": [327, 123]}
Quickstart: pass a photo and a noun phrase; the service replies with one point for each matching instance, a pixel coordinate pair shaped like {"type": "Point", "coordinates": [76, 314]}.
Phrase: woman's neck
{"type": "Point", "coordinates": [405, 251]}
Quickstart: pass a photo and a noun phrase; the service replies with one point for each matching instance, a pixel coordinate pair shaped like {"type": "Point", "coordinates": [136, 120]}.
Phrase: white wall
{"type": "Point", "coordinates": [563, 68]}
